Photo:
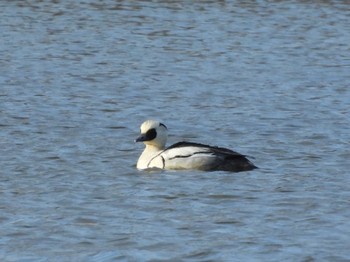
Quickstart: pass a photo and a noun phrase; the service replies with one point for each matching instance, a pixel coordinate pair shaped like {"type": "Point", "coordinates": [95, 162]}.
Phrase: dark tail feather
{"type": "Point", "coordinates": [236, 164]}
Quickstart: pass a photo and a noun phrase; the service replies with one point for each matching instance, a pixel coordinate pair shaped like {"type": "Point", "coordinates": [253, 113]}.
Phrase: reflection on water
{"type": "Point", "coordinates": [268, 80]}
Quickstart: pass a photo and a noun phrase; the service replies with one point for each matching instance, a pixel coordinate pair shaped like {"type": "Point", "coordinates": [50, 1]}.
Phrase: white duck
{"type": "Point", "coordinates": [185, 155]}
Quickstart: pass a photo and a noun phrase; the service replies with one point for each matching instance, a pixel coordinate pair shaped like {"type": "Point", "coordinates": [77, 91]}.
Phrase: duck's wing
{"type": "Point", "coordinates": [187, 155]}
{"type": "Point", "coordinates": [231, 160]}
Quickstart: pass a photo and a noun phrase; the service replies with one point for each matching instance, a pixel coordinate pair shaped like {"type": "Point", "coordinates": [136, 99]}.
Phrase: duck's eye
{"type": "Point", "coordinates": [151, 134]}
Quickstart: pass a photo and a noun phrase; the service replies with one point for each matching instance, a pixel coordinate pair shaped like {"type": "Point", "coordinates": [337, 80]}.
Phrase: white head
{"type": "Point", "coordinates": [153, 133]}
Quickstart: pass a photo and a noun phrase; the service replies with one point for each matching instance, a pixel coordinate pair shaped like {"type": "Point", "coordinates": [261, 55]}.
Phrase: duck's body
{"type": "Point", "coordinates": [185, 155]}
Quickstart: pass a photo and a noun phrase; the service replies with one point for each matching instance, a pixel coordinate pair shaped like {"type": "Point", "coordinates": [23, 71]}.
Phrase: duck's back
{"type": "Point", "coordinates": [186, 155]}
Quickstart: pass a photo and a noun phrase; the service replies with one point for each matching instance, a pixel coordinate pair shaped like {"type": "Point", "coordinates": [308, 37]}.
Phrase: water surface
{"type": "Point", "coordinates": [267, 79]}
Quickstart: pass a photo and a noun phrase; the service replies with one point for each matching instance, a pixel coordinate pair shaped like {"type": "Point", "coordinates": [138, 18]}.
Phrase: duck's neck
{"type": "Point", "coordinates": [146, 156]}
{"type": "Point", "coordinates": [152, 150]}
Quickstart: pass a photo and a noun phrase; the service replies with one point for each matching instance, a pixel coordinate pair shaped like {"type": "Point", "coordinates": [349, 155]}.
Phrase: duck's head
{"type": "Point", "coordinates": [153, 133]}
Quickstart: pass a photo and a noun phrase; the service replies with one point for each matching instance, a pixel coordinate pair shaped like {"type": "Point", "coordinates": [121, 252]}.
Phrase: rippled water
{"type": "Point", "coordinates": [269, 79]}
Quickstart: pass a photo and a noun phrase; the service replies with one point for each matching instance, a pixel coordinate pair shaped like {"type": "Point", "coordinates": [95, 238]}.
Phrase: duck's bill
{"type": "Point", "coordinates": [141, 138]}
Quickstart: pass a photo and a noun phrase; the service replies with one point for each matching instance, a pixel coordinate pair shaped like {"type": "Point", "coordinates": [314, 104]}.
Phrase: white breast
{"type": "Point", "coordinates": [149, 158]}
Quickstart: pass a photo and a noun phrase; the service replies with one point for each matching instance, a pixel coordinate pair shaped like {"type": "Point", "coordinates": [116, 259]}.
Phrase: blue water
{"type": "Point", "coordinates": [269, 79]}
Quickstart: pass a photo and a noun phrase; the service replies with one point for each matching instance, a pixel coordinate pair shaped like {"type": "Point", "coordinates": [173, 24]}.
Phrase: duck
{"type": "Point", "coordinates": [185, 155]}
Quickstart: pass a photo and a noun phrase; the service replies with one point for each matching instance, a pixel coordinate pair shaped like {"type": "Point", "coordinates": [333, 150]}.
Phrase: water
{"type": "Point", "coordinates": [268, 79]}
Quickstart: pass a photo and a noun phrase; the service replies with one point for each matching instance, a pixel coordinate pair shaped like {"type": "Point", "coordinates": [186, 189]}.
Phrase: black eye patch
{"type": "Point", "coordinates": [151, 134]}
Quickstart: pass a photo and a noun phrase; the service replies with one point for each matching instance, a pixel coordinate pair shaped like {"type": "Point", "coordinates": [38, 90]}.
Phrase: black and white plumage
{"type": "Point", "coordinates": [185, 155]}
